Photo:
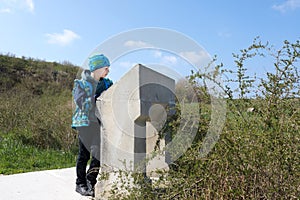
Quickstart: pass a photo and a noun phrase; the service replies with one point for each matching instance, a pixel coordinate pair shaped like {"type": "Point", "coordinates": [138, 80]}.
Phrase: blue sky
{"type": "Point", "coordinates": [68, 30]}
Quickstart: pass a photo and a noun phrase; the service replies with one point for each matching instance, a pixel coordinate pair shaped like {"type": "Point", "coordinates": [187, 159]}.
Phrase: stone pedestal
{"type": "Point", "coordinates": [131, 112]}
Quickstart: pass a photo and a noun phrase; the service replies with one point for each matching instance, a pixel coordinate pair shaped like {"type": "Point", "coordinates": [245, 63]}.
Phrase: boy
{"type": "Point", "coordinates": [85, 92]}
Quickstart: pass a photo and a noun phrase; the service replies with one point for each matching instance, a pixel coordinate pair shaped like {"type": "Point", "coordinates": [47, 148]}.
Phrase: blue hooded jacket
{"type": "Point", "coordinates": [85, 92]}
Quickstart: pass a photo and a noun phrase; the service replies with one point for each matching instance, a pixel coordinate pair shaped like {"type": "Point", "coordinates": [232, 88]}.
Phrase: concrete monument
{"type": "Point", "coordinates": [131, 112]}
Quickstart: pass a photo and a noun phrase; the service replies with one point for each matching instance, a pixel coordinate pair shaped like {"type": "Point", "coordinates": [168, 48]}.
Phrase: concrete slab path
{"type": "Point", "coordinates": [56, 184]}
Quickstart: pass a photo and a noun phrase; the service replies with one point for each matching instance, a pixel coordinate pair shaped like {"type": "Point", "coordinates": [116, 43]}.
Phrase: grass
{"type": "Point", "coordinates": [35, 115]}
{"type": "Point", "coordinates": [16, 157]}
{"type": "Point", "coordinates": [35, 133]}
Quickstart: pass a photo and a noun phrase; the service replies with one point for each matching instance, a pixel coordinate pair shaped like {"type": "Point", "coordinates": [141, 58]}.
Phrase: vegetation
{"type": "Point", "coordinates": [17, 157]}
{"type": "Point", "coordinates": [35, 107]}
{"type": "Point", "coordinates": [257, 154]}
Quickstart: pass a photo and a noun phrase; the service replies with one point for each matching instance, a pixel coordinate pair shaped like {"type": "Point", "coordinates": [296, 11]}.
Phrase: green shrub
{"type": "Point", "coordinates": [257, 154]}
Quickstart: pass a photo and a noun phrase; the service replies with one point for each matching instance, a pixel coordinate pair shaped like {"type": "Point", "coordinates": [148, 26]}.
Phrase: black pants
{"type": "Point", "coordinates": [89, 145]}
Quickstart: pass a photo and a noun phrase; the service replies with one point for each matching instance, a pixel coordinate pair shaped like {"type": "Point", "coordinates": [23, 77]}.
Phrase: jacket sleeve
{"type": "Point", "coordinates": [79, 95]}
{"type": "Point", "coordinates": [102, 85]}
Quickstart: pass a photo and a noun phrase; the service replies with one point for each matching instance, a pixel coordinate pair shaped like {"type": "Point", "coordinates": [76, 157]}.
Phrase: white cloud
{"type": "Point", "coordinates": [165, 59]}
{"type": "Point", "coordinates": [30, 5]}
{"type": "Point", "coordinates": [169, 60]}
{"type": "Point", "coordinates": [136, 44]}
{"type": "Point", "coordinates": [287, 5]}
{"type": "Point", "coordinates": [224, 34]}
{"type": "Point", "coordinates": [63, 39]}
{"type": "Point", "coordinates": [11, 6]}
{"type": "Point", "coordinates": [5, 10]}
{"type": "Point", "coordinates": [126, 64]}
{"type": "Point", "coordinates": [157, 54]}
{"type": "Point", "coordinates": [196, 58]}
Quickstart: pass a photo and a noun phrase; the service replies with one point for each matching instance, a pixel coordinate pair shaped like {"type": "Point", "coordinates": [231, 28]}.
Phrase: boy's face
{"type": "Point", "coordinates": [102, 72]}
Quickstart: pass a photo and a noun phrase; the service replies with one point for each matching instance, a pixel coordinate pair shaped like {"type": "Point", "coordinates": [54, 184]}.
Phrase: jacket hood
{"type": "Point", "coordinates": [86, 75]}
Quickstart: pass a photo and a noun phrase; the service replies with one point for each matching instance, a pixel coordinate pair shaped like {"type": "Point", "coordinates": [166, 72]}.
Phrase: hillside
{"type": "Point", "coordinates": [35, 73]}
{"type": "Point", "coordinates": [35, 107]}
